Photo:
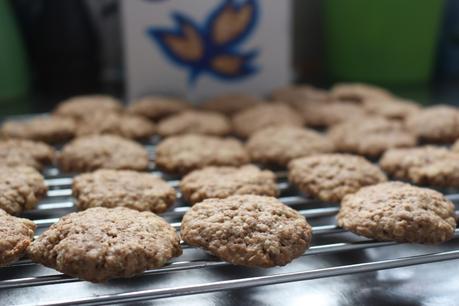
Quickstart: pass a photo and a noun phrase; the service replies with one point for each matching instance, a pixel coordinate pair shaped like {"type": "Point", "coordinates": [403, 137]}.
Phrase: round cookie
{"type": "Point", "coordinates": [128, 126]}
{"type": "Point", "coordinates": [437, 124]}
{"type": "Point", "coordinates": [255, 118]}
{"type": "Point", "coordinates": [126, 188]}
{"type": "Point", "coordinates": [16, 234]}
{"type": "Point", "coordinates": [299, 94]}
{"type": "Point", "coordinates": [81, 106]}
{"type": "Point", "coordinates": [100, 243]}
{"type": "Point", "coordinates": [397, 109]}
{"type": "Point", "coordinates": [398, 211]}
{"type": "Point", "coordinates": [19, 152]}
{"type": "Point", "coordinates": [358, 92]}
{"type": "Point", "coordinates": [195, 122]}
{"type": "Point", "coordinates": [325, 114]}
{"type": "Point", "coordinates": [231, 103]}
{"type": "Point", "coordinates": [329, 177]}
{"type": "Point", "coordinates": [157, 107]}
{"type": "Point", "coordinates": [93, 152]}
{"type": "Point", "coordinates": [371, 136]}
{"type": "Point", "coordinates": [279, 145]}
{"type": "Point", "coordinates": [182, 154]}
{"type": "Point", "coordinates": [222, 182]}
{"type": "Point", "coordinates": [247, 230]}
{"type": "Point", "coordinates": [21, 188]}
{"type": "Point", "coordinates": [427, 165]}
{"type": "Point", "coordinates": [50, 129]}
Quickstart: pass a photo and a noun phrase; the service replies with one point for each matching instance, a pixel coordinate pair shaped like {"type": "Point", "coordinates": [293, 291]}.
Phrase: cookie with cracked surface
{"type": "Point", "coordinates": [397, 109]}
{"type": "Point", "coordinates": [329, 177]}
{"type": "Point", "coordinates": [81, 106]}
{"type": "Point", "coordinates": [279, 145]}
{"type": "Point", "coordinates": [100, 243]}
{"type": "Point", "coordinates": [49, 129]}
{"type": "Point", "coordinates": [158, 107]}
{"type": "Point", "coordinates": [427, 165]}
{"type": "Point", "coordinates": [93, 152]}
{"type": "Point", "coordinates": [126, 188]}
{"type": "Point", "coordinates": [436, 124]}
{"type": "Point", "coordinates": [358, 92]}
{"type": "Point", "coordinates": [16, 234]}
{"type": "Point", "coordinates": [21, 188]}
{"type": "Point", "coordinates": [128, 126]}
{"type": "Point", "coordinates": [371, 136]}
{"type": "Point", "coordinates": [247, 230]}
{"type": "Point", "coordinates": [231, 103]}
{"type": "Point", "coordinates": [21, 152]}
{"type": "Point", "coordinates": [195, 122]}
{"type": "Point", "coordinates": [185, 153]}
{"type": "Point", "coordinates": [398, 211]}
{"type": "Point", "coordinates": [222, 182]}
{"type": "Point", "coordinates": [299, 94]}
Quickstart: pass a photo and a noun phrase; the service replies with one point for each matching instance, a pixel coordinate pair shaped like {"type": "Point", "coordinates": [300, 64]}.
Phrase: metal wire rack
{"type": "Point", "coordinates": [59, 202]}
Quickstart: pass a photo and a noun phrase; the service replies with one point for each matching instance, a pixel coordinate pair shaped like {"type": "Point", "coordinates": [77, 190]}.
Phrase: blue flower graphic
{"type": "Point", "coordinates": [212, 48]}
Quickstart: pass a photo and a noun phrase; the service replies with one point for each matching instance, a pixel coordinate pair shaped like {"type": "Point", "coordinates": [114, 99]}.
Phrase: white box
{"type": "Point", "coordinates": [199, 48]}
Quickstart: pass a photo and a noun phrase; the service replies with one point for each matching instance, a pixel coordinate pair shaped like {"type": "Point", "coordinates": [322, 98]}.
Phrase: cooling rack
{"type": "Point", "coordinates": [196, 272]}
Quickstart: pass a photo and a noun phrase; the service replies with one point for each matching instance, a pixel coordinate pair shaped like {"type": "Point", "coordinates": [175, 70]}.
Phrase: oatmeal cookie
{"type": "Point", "coordinates": [19, 152]}
{"type": "Point", "coordinates": [230, 104]}
{"type": "Point", "coordinates": [158, 107]}
{"type": "Point", "coordinates": [82, 106]}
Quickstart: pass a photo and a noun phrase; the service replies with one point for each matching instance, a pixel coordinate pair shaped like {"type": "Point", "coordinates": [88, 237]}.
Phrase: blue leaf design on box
{"type": "Point", "coordinates": [213, 48]}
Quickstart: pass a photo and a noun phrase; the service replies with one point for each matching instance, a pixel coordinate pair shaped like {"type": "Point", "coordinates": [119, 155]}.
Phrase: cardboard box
{"type": "Point", "coordinates": [199, 48]}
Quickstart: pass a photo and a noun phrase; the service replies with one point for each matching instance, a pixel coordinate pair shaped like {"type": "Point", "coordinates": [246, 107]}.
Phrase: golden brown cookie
{"type": "Point", "coordinates": [427, 165]}
{"type": "Point", "coordinates": [329, 177]}
{"type": "Point", "coordinates": [15, 236]}
{"type": "Point", "coordinates": [222, 182]}
{"type": "Point", "coordinates": [248, 121]}
{"type": "Point", "coordinates": [100, 243]}
{"type": "Point", "coordinates": [93, 152]}
{"type": "Point", "coordinates": [182, 154]}
{"type": "Point", "coordinates": [299, 94]}
{"type": "Point", "coordinates": [247, 230]}
{"type": "Point", "coordinates": [195, 122]}
{"type": "Point", "coordinates": [21, 188]}
{"type": "Point", "coordinates": [122, 188]}
{"type": "Point", "coordinates": [279, 145]}
{"type": "Point", "coordinates": [50, 129]}
{"type": "Point", "coordinates": [371, 136]}
{"type": "Point", "coordinates": [397, 109]}
{"type": "Point", "coordinates": [81, 106]}
{"type": "Point", "coordinates": [128, 126]}
{"type": "Point", "coordinates": [158, 107]}
{"type": "Point", "coordinates": [436, 124]}
{"type": "Point", "coordinates": [19, 152]}
{"type": "Point", "coordinates": [358, 92]}
{"type": "Point", "coordinates": [398, 211]}
{"type": "Point", "coordinates": [231, 103]}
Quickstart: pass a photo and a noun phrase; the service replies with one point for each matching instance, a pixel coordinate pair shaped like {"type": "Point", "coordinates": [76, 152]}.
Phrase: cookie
{"type": "Point", "coordinates": [397, 109]}
{"type": "Point", "coordinates": [230, 104]}
{"type": "Point", "coordinates": [299, 94]}
{"type": "Point", "coordinates": [18, 152]}
{"type": "Point", "coordinates": [128, 126]}
{"type": "Point", "coordinates": [100, 243]}
{"type": "Point", "coordinates": [436, 124]}
{"type": "Point", "coordinates": [357, 92]}
{"type": "Point", "coordinates": [21, 188]}
{"type": "Point", "coordinates": [93, 152]}
{"type": "Point", "coordinates": [247, 230]}
{"type": "Point", "coordinates": [80, 106]}
{"type": "Point", "coordinates": [427, 165]}
{"type": "Point", "coordinates": [222, 182]}
{"type": "Point", "coordinates": [16, 234]}
{"type": "Point", "coordinates": [131, 189]}
{"type": "Point", "coordinates": [50, 129]}
{"type": "Point", "coordinates": [329, 177]}
{"type": "Point", "coordinates": [279, 145]}
{"type": "Point", "coordinates": [248, 121]}
{"type": "Point", "coordinates": [371, 136]}
{"type": "Point", "coordinates": [195, 122]}
{"type": "Point", "coordinates": [182, 154]}
{"type": "Point", "coordinates": [325, 114]}
{"type": "Point", "coordinates": [398, 211]}
{"type": "Point", "coordinates": [157, 107]}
